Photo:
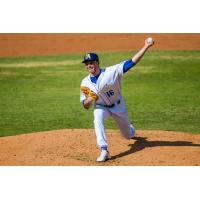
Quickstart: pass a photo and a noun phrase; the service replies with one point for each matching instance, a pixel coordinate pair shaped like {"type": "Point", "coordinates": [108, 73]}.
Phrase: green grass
{"type": "Point", "coordinates": [42, 93]}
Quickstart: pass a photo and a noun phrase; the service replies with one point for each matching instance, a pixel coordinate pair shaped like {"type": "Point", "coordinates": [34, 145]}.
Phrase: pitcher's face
{"type": "Point", "coordinates": [93, 67]}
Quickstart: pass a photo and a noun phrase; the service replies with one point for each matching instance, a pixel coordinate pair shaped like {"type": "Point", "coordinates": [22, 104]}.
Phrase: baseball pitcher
{"type": "Point", "coordinates": [102, 88]}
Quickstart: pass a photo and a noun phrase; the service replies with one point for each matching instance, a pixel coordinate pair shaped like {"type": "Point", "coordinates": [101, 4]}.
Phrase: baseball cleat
{"type": "Point", "coordinates": [133, 130]}
{"type": "Point", "coordinates": [103, 156]}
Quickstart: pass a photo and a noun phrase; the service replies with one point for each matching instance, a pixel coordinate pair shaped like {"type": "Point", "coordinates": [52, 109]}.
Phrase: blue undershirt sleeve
{"type": "Point", "coordinates": [128, 65]}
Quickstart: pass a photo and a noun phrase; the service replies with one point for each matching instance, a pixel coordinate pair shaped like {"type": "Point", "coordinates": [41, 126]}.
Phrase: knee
{"type": "Point", "coordinates": [128, 137]}
{"type": "Point", "coordinates": [129, 134]}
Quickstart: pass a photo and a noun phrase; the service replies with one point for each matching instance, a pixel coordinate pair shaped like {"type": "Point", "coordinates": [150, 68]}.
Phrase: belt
{"type": "Point", "coordinates": [110, 106]}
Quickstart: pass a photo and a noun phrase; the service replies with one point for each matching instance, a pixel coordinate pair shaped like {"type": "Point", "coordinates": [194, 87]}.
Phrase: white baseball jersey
{"type": "Point", "coordinates": [107, 87]}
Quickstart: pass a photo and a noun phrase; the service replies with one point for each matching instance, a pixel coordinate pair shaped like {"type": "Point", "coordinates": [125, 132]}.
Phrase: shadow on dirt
{"type": "Point", "coordinates": [142, 142]}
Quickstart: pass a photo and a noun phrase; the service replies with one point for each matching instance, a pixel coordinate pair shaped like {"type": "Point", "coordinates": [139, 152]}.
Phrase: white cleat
{"type": "Point", "coordinates": [103, 156]}
{"type": "Point", "coordinates": [132, 130]}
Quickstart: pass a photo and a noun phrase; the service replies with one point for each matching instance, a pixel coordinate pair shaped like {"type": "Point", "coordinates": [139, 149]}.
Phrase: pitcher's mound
{"type": "Point", "coordinates": [78, 147]}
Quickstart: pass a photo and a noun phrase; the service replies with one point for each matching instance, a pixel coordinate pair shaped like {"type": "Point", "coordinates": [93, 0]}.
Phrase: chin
{"type": "Point", "coordinates": [92, 71]}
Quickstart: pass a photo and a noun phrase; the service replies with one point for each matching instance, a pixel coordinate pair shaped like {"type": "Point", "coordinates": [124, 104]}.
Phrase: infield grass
{"type": "Point", "coordinates": [162, 92]}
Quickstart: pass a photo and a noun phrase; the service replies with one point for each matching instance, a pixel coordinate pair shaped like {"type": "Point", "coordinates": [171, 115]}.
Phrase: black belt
{"type": "Point", "coordinates": [112, 105]}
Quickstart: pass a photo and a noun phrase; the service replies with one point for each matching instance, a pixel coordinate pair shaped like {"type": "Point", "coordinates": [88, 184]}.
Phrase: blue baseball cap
{"type": "Point", "coordinates": [90, 57]}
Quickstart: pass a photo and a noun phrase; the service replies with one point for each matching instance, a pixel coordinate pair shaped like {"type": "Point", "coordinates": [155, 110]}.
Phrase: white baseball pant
{"type": "Point", "coordinates": [121, 118]}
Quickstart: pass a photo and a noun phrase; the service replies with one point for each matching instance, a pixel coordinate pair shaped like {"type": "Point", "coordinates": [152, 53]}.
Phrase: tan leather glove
{"type": "Point", "coordinates": [89, 93]}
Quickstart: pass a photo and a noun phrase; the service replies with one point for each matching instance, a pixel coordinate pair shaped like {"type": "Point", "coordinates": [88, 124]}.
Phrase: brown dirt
{"type": "Point", "coordinates": [72, 147]}
{"type": "Point", "coordinates": [19, 44]}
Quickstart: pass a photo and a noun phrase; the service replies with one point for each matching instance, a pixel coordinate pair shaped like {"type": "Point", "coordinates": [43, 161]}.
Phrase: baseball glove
{"type": "Point", "coordinates": [89, 93]}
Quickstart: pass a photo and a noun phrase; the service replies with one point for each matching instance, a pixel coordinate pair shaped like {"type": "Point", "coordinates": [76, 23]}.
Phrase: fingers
{"type": "Point", "coordinates": [85, 90]}
{"type": "Point", "coordinates": [149, 41]}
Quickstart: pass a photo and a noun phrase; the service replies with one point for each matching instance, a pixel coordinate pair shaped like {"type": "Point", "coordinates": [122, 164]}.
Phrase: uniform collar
{"type": "Point", "coordinates": [95, 78]}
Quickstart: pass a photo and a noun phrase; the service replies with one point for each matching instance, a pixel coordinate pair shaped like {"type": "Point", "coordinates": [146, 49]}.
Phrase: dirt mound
{"type": "Point", "coordinates": [72, 147]}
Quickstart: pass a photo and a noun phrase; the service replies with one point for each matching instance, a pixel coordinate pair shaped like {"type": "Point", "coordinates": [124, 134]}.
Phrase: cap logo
{"type": "Point", "coordinates": [87, 56]}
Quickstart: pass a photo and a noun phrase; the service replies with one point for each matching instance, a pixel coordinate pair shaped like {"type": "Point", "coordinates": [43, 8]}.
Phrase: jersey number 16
{"type": "Point", "coordinates": [110, 93]}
